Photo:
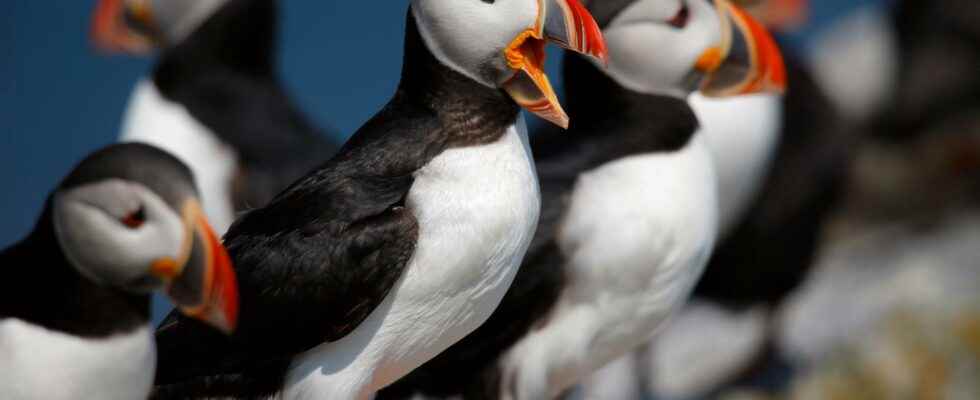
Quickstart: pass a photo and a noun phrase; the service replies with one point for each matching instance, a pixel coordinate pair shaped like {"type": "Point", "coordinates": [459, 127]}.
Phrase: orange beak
{"type": "Point", "coordinates": [112, 33]}
{"type": "Point", "coordinates": [747, 61]}
{"type": "Point", "coordinates": [203, 286]}
{"type": "Point", "coordinates": [566, 23]}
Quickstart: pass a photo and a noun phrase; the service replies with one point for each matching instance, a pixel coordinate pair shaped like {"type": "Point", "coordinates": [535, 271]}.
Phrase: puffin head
{"type": "Point", "coordinates": [140, 26]}
{"type": "Point", "coordinates": [675, 47]}
{"type": "Point", "coordinates": [500, 43]}
{"type": "Point", "coordinates": [128, 217]}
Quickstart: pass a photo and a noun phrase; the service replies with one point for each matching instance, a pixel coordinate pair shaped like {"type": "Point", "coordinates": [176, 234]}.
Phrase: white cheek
{"type": "Point", "coordinates": [106, 251]}
{"type": "Point", "coordinates": [654, 57]}
{"type": "Point", "coordinates": [648, 58]}
{"type": "Point", "coordinates": [467, 34]}
{"type": "Point", "coordinates": [650, 10]}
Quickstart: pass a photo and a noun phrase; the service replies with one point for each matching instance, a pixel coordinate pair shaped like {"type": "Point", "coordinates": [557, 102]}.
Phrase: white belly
{"type": "Point", "coordinates": [636, 236]}
{"type": "Point", "coordinates": [742, 134]}
{"type": "Point", "coordinates": [36, 363]}
{"type": "Point", "coordinates": [154, 120]}
{"type": "Point", "coordinates": [477, 209]}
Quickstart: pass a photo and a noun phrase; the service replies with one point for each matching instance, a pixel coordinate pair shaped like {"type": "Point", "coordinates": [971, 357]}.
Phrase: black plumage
{"type": "Point", "coordinates": [41, 287]}
{"type": "Point", "coordinates": [322, 255]}
{"type": "Point", "coordinates": [939, 56]}
{"type": "Point", "coordinates": [625, 123]}
{"type": "Point", "coordinates": [225, 74]}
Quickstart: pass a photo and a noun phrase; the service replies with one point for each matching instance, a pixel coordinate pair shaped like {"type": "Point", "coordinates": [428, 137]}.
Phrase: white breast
{"type": "Point", "coordinates": [477, 209]}
{"type": "Point", "coordinates": [36, 363]}
{"type": "Point", "coordinates": [636, 235]}
{"type": "Point", "coordinates": [742, 134]}
{"type": "Point", "coordinates": [152, 119]}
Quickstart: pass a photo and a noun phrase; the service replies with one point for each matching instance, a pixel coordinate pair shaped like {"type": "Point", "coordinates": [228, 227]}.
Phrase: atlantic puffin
{"type": "Point", "coordinates": [407, 239]}
{"type": "Point", "coordinates": [75, 296]}
{"type": "Point", "coordinates": [630, 211]}
{"type": "Point", "coordinates": [748, 278]}
{"type": "Point", "coordinates": [214, 98]}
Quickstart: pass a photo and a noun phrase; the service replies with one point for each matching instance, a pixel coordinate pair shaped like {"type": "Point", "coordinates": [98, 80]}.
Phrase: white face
{"type": "Point", "coordinates": [470, 36]}
{"type": "Point", "coordinates": [114, 230]}
{"type": "Point", "coordinates": [653, 49]}
{"type": "Point", "coordinates": [176, 19]}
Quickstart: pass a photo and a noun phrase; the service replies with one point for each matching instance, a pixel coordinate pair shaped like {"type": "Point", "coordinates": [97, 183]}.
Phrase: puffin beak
{"type": "Point", "coordinates": [747, 61]}
{"type": "Point", "coordinates": [204, 286]}
{"type": "Point", "coordinates": [111, 31]}
{"type": "Point", "coordinates": [566, 23]}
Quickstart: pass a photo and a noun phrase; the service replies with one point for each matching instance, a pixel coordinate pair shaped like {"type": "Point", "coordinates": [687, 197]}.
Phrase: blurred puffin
{"type": "Point", "coordinates": [763, 203]}
{"type": "Point", "coordinates": [406, 240]}
{"type": "Point", "coordinates": [214, 98]}
{"type": "Point", "coordinates": [629, 213]}
{"type": "Point", "coordinates": [75, 298]}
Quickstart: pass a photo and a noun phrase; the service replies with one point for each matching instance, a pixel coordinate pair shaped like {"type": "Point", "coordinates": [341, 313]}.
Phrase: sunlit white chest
{"type": "Point", "coordinates": [37, 363]}
{"type": "Point", "coordinates": [477, 209]}
{"type": "Point", "coordinates": [742, 134]}
{"type": "Point", "coordinates": [150, 118]}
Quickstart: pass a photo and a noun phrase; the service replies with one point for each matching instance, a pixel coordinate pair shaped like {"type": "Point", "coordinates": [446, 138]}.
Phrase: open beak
{"type": "Point", "coordinates": [566, 23]}
{"type": "Point", "coordinates": [746, 61]}
{"type": "Point", "coordinates": [203, 286]}
{"type": "Point", "coordinates": [111, 29]}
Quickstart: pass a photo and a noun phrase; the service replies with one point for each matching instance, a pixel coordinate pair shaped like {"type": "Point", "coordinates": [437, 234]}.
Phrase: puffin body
{"type": "Point", "coordinates": [214, 99]}
{"type": "Point", "coordinates": [742, 134]}
{"type": "Point", "coordinates": [75, 304]}
{"type": "Point", "coordinates": [748, 278]}
{"type": "Point", "coordinates": [626, 269]}
{"type": "Point", "coordinates": [87, 367]}
{"type": "Point", "coordinates": [628, 223]}
{"type": "Point", "coordinates": [461, 201]}
{"type": "Point", "coordinates": [402, 243]}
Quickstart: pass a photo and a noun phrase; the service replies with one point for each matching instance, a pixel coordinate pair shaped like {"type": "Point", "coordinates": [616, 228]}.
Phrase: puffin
{"type": "Point", "coordinates": [406, 240]}
{"type": "Point", "coordinates": [75, 298]}
{"type": "Point", "coordinates": [629, 203]}
{"type": "Point", "coordinates": [214, 98]}
{"type": "Point", "coordinates": [748, 279]}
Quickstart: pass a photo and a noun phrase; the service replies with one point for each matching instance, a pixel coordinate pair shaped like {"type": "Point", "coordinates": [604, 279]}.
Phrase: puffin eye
{"type": "Point", "coordinates": [680, 19]}
{"type": "Point", "coordinates": [134, 219]}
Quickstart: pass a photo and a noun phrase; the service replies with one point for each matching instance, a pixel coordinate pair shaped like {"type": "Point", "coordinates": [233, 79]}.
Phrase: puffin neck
{"type": "Point", "coordinates": [584, 82]}
{"type": "Point", "coordinates": [68, 302]}
{"type": "Point", "coordinates": [239, 38]}
{"type": "Point", "coordinates": [456, 99]}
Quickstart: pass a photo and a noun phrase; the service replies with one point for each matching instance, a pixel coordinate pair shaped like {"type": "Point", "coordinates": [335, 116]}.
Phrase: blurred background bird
{"type": "Point", "coordinates": [75, 299]}
{"type": "Point", "coordinates": [214, 98]}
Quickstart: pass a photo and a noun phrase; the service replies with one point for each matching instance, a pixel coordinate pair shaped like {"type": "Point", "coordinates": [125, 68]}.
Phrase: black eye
{"type": "Point", "coordinates": [134, 219]}
{"type": "Point", "coordinates": [680, 19]}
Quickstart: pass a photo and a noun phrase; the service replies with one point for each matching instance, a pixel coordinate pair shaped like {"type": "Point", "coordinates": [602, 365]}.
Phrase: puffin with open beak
{"type": "Point", "coordinates": [407, 239]}
{"type": "Point", "coordinates": [75, 297]}
{"type": "Point", "coordinates": [629, 203]}
{"type": "Point", "coordinates": [214, 98]}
